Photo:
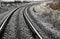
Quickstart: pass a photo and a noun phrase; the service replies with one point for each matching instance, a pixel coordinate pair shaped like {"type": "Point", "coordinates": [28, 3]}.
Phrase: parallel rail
{"type": "Point", "coordinates": [7, 18]}
{"type": "Point", "coordinates": [29, 22]}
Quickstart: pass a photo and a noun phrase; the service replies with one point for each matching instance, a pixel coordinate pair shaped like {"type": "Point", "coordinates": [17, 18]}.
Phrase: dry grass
{"type": "Point", "coordinates": [55, 5]}
{"type": "Point", "coordinates": [49, 13]}
{"type": "Point", "coordinates": [3, 10]}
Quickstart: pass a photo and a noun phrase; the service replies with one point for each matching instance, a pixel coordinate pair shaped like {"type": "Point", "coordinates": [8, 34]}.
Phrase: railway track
{"type": "Point", "coordinates": [7, 17]}
{"type": "Point", "coordinates": [27, 19]}
{"type": "Point", "coordinates": [6, 22]}
{"type": "Point", "coordinates": [22, 16]}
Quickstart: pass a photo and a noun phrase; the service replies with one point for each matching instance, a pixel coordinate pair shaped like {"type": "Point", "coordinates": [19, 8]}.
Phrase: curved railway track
{"type": "Point", "coordinates": [7, 17]}
{"type": "Point", "coordinates": [27, 19]}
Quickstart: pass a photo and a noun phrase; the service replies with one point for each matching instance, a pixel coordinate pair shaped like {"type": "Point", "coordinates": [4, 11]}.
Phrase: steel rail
{"type": "Point", "coordinates": [26, 17]}
{"type": "Point", "coordinates": [6, 19]}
